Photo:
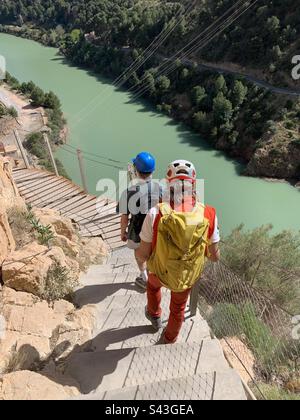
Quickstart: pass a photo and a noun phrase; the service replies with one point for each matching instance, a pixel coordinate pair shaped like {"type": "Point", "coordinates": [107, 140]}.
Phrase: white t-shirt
{"type": "Point", "coordinates": [147, 232]}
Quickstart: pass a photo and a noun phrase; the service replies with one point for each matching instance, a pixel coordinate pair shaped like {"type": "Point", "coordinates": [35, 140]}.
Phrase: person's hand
{"type": "Point", "coordinates": [124, 237]}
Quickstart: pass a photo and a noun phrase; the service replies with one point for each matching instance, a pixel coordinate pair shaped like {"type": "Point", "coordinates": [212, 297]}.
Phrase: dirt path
{"type": "Point", "coordinates": [225, 70]}
{"type": "Point", "coordinates": [29, 120]}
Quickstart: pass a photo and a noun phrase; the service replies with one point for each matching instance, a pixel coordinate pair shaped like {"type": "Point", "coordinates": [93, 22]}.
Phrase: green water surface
{"type": "Point", "coordinates": [103, 121]}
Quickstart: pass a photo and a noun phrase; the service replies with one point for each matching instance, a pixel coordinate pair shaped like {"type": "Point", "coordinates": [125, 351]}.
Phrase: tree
{"type": "Point", "coordinates": [163, 84]}
{"type": "Point", "coordinates": [37, 96]}
{"type": "Point", "coordinates": [220, 85]}
{"type": "Point", "coordinates": [273, 25]}
{"type": "Point", "coordinates": [198, 95]}
{"type": "Point", "coordinates": [149, 83]}
{"type": "Point", "coordinates": [2, 110]}
{"type": "Point", "coordinates": [239, 93]}
{"type": "Point", "coordinates": [276, 53]}
{"type": "Point", "coordinates": [222, 109]}
{"type": "Point", "coordinates": [27, 88]}
{"type": "Point", "coordinates": [134, 80]}
{"type": "Point", "coordinates": [52, 101]}
{"type": "Point", "coordinates": [12, 112]}
{"type": "Point", "coordinates": [199, 118]}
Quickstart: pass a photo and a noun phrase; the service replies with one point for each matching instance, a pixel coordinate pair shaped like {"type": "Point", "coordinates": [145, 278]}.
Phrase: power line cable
{"type": "Point", "coordinates": [93, 160]}
{"type": "Point", "coordinates": [95, 155]}
{"type": "Point", "coordinates": [169, 62]}
{"type": "Point", "coordinates": [238, 13]}
{"type": "Point", "coordinates": [197, 37]}
{"type": "Point", "coordinates": [134, 66]}
{"type": "Point", "coordinates": [120, 80]}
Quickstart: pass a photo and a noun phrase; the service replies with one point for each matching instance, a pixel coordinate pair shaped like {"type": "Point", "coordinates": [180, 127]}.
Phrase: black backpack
{"type": "Point", "coordinates": [137, 220]}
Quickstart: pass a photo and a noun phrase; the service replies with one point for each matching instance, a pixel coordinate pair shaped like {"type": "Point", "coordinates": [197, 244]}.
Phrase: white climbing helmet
{"type": "Point", "coordinates": [181, 170]}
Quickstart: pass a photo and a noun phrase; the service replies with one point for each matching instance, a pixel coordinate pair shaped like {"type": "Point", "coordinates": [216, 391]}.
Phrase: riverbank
{"type": "Point", "coordinates": [105, 122]}
{"type": "Point", "coordinates": [235, 115]}
{"type": "Point", "coordinates": [36, 112]}
{"type": "Point", "coordinates": [29, 120]}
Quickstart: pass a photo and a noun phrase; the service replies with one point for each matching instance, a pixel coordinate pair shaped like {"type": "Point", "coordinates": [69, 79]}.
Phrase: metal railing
{"type": "Point", "coordinates": [257, 331]}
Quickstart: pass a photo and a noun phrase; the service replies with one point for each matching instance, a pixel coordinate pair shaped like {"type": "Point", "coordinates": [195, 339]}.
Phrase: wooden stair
{"type": "Point", "coordinates": [94, 216]}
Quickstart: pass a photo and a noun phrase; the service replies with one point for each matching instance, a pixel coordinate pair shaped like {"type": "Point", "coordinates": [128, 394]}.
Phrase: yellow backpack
{"type": "Point", "coordinates": [179, 256]}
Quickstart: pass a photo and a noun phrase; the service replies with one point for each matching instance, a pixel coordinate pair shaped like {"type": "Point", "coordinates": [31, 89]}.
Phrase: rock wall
{"type": "Point", "coordinates": [7, 243]}
{"type": "Point", "coordinates": [35, 334]}
{"type": "Point", "coordinates": [8, 197]}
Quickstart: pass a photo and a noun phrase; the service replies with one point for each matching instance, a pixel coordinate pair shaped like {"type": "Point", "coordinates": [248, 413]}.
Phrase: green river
{"type": "Point", "coordinates": [113, 127]}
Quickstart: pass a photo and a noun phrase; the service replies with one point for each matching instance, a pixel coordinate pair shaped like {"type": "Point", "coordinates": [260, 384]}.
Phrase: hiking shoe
{"type": "Point", "coordinates": [162, 340]}
{"type": "Point", "coordinates": [140, 282]}
{"type": "Point", "coordinates": [155, 321]}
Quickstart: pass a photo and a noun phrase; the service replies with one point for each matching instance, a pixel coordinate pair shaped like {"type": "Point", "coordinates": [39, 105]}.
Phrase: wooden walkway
{"type": "Point", "coordinates": [95, 217]}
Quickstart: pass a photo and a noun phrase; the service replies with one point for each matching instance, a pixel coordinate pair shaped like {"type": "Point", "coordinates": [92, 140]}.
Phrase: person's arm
{"type": "Point", "coordinates": [144, 252]}
{"type": "Point", "coordinates": [145, 249]}
{"type": "Point", "coordinates": [214, 253]}
{"type": "Point", "coordinates": [124, 226]}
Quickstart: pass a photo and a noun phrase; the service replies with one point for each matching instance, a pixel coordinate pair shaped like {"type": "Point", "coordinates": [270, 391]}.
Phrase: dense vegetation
{"type": "Point", "coordinates": [56, 122]}
{"type": "Point", "coordinates": [233, 114]}
{"type": "Point", "coordinates": [268, 262]}
{"type": "Point", "coordinates": [10, 112]}
{"type": "Point", "coordinates": [265, 37]}
{"type": "Point", "coordinates": [251, 297]}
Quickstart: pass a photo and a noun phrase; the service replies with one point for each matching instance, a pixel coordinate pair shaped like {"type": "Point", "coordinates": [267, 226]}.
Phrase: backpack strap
{"type": "Point", "coordinates": [165, 209]}
{"type": "Point", "coordinates": [155, 230]}
{"type": "Point", "coordinates": [201, 209]}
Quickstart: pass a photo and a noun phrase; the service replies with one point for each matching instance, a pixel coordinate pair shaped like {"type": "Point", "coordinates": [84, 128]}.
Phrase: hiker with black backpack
{"type": "Point", "coordinates": [142, 194]}
{"type": "Point", "coordinates": [176, 238]}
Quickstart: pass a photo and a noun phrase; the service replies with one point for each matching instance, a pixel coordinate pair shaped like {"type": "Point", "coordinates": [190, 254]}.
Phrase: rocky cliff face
{"type": "Point", "coordinates": [276, 160]}
{"type": "Point", "coordinates": [9, 196]}
{"type": "Point", "coordinates": [38, 328]}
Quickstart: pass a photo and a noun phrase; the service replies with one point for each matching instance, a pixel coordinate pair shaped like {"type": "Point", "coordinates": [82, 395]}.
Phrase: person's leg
{"type": "Point", "coordinates": [142, 279]}
{"type": "Point", "coordinates": [177, 311]}
{"type": "Point", "coordinates": [154, 296]}
{"type": "Point", "coordinates": [142, 268]}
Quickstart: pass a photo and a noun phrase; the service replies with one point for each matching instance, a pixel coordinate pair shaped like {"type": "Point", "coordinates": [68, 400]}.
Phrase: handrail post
{"type": "Point", "coordinates": [46, 139]}
{"type": "Point", "coordinates": [21, 148]}
{"type": "Point", "coordinates": [82, 172]}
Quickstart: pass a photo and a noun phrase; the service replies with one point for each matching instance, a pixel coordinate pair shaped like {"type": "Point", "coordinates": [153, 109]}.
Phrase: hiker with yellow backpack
{"type": "Point", "coordinates": [176, 238]}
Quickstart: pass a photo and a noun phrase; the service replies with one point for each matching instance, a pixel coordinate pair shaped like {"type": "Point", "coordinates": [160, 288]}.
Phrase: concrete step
{"type": "Point", "coordinates": [219, 386]}
{"type": "Point", "coordinates": [129, 259]}
{"type": "Point", "coordinates": [114, 369]}
{"type": "Point", "coordinates": [131, 301]}
{"type": "Point", "coordinates": [100, 270]}
{"type": "Point", "coordinates": [97, 293]}
{"type": "Point", "coordinates": [129, 328]}
{"type": "Point", "coordinates": [94, 277]}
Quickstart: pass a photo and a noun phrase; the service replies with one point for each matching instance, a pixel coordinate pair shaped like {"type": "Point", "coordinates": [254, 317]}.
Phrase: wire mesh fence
{"type": "Point", "coordinates": [257, 332]}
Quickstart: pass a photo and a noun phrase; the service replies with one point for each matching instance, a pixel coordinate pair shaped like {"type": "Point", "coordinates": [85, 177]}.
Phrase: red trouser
{"type": "Point", "coordinates": [177, 307]}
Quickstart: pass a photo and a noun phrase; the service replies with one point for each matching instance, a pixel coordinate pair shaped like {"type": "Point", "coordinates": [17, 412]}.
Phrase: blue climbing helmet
{"type": "Point", "coordinates": [144, 163]}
